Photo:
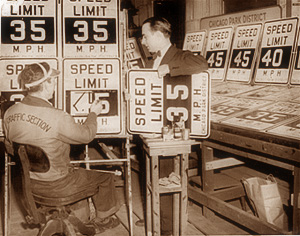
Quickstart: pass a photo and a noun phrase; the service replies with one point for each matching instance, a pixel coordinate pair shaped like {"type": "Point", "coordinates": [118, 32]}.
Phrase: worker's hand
{"type": "Point", "coordinates": [96, 107]}
{"type": "Point", "coordinates": [163, 70]}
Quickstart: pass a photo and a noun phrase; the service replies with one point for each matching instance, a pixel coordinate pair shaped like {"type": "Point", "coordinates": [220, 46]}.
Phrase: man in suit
{"type": "Point", "coordinates": [167, 59]}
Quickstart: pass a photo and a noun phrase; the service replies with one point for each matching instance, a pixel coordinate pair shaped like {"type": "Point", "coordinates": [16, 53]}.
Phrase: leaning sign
{"type": "Point", "coordinates": [88, 79]}
{"type": "Point", "coordinates": [217, 51]}
{"type": "Point", "coordinates": [194, 42]}
{"type": "Point", "coordinates": [295, 79]}
{"type": "Point", "coordinates": [243, 53]}
{"type": "Point", "coordinates": [155, 101]}
{"type": "Point", "coordinates": [276, 51]}
{"type": "Point", "coordinates": [28, 28]}
{"type": "Point", "coordinates": [90, 28]}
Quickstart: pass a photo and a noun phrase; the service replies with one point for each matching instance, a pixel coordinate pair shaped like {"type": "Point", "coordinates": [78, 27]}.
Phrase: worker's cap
{"type": "Point", "coordinates": [36, 73]}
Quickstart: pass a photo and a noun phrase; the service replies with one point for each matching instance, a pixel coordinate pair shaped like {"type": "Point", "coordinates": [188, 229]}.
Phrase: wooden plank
{"type": "Point", "coordinates": [233, 213]}
{"type": "Point", "coordinates": [221, 163]}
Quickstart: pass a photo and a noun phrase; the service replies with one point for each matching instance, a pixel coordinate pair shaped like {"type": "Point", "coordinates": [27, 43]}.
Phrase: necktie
{"type": "Point", "coordinates": [156, 54]}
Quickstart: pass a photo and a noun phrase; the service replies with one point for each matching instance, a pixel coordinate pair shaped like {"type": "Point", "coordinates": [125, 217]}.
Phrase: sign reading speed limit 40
{"type": "Point", "coordinates": [154, 102]}
{"type": "Point", "coordinates": [276, 51]}
{"type": "Point", "coordinates": [90, 28]}
{"type": "Point", "coordinates": [28, 28]}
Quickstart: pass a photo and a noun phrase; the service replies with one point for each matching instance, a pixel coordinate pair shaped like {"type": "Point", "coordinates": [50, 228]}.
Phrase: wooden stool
{"type": "Point", "coordinates": [153, 150]}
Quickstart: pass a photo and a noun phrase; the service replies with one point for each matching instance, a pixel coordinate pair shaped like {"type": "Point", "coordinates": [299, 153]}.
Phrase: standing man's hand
{"type": "Point", "coordinates": [96, 107]}
{"type": "Point", "coordinates": [163, 70]}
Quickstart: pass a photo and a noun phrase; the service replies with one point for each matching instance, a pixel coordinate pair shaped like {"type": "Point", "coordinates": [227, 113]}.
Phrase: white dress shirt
{"type": "Point", "coordinates": [158, 59]}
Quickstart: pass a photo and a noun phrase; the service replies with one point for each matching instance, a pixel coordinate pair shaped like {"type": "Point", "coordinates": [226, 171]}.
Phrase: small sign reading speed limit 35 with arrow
{"type": "Point", "coordinates": [154, 102]}
{"type": "Point", "coordinates": [276, 51]}
{"type": "Point", "coordinates": [91, 28]}
{"type": "Point", "coordinates": [243, 53]}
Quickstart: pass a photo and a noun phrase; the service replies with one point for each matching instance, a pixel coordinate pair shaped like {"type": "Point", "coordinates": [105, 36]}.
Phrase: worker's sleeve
{"type": "Point", "coordinates": [186, 63]}
{"type": "Point", "coordinates": [75, 133]}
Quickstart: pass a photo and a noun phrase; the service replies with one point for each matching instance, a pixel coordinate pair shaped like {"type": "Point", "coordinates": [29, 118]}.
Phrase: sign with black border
{"type": "Point", "coordinates": [28, 28]}
{"type": "Point", "coordinates": [155, 101]}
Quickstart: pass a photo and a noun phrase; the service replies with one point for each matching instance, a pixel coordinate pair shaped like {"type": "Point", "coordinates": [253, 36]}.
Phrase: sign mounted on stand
{"type": "Point", "coordinates": [155, 101]}
{"type": "Point", "coordinates": [28, 28]}
{"type": "Point", "coordinates": [276, 51]}
{"type": "Point", "coordinates": [133, 54]}
{"type": "Point", "coordinates": [194, 42]}
{"type": "Point", "coordinates": [243, 53]}
{"type": "Point", "coordinates": [11, 92]}
{"type": "Point", "coordinates": [217, 51]}
{"type": "Point", "coordinates": [296, 70]}
{"type": "Point", "coordinates": [91, 28]}
{"type": "Point", "coordinates": [88, 79]}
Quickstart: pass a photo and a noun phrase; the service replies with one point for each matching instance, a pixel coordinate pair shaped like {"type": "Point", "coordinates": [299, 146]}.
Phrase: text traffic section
{"type": "Point", "coordinates": [28, 29]}
{"type": "Point", "coordinates": [91, 28]}
{"type": "Point", "coordinates": [155, 101]}
{"type": "Point", "coordinates": [11, 91]}
{"type": "Point", "coordinates": [88, 79]}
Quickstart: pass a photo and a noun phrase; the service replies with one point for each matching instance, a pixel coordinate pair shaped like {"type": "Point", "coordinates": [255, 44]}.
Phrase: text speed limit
{"type": "Point", "coordinates": [154, 102]}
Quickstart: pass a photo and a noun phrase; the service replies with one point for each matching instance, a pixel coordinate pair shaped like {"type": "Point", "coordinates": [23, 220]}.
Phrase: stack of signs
{"type": "Point", "coordinates": [243, 53]}
{"type": "Point", "coordinates": [194, 42]}
{"type": "Point", "coordinates": [296, 72]}
{"type": "Point", "coordinates": [217, 51]}
{"type": "Point", "coordinates": [155, 101]}
{"type": "Point", "coordinates": [133, 54]}
{"type": "Point", "coordinates": [276, 51]}
{"type": "Point", "coordinates": [90, 79]}
{"type": "Point", "coordinates": [91, 28]}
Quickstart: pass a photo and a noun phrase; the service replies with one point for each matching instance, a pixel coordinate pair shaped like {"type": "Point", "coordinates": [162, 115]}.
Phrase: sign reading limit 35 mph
{"type": "Point", "coordinates": [28, 28]}
{"type": "Point", "coordinates": [90, 28]}
{"type": "Point", "coordinates": [154, 102]}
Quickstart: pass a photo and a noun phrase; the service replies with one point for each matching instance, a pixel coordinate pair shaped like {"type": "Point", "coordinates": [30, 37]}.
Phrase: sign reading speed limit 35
{"type": "Point", "coordinates": [90, 28]}
{"type": "Point", "coordinates": [154, 102]}
{"type": "Point", "coordinates": [88, 79]}
{"type": "Point", "coordinates": [28, 28]}
{"type": "Point", "coordinates": [276, 51]}
{"type": "Point", "coordinates": [243, 53]}
{"type": "Point", "coordinates": [217, 51]}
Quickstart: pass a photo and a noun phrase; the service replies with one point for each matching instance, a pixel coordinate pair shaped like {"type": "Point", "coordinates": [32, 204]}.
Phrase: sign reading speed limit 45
{"type": "Point", "coordinates": [154, 102]}
{"type": "Point", "coordinates": [90, 28]}
{"type": "Point", "coordinates": [276, 51]}
{"type": "Point", "coordinates": [243, 53]}
{"type": "Point", "coordinates": [217, 51]}
{"type": "Point", "coordinates": [28, 28]}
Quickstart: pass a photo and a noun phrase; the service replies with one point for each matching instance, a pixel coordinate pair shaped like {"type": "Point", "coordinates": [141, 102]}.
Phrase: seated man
{"type": "Point", "coordinates": [36, 122]}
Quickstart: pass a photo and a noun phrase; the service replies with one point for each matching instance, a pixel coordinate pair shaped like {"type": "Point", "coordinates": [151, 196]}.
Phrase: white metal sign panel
{"type": "Point", "coordinates": [194, 42]}
{"type": "Point", "coordinates": [234, 107]}
{"type": "Point", "coordinates": [133, 54]}
{"type": "Point", "coordinates": [243, 53]}
{"type": "Point", "coordinates": [290, 129]}
{"type": "Point", "coordinates": [276, 51]}
{"type": "Point", "coordinates": [266, 117]}
{"type": "Point", "coordinates": [11, 92]}
{"type": "Point", "coordinates": [91, 28]}
{"type": "Point", "coordinates": [233, 89]}
{"type": "Point", "coordinates": [154, 102]}
{"type": "Point", "coordinates": [295, 79]}
{"type": "Point", "coordinates": [28, 28]}
{"type": "Point", "coordinates": [88, 79]}
{"type": "Point", "coordinates": [217, 51]}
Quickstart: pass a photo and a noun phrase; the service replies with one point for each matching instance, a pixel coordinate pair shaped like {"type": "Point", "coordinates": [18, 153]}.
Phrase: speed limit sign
{"type": "Point", "coordinates": [28, 28]}
{"type": "Point", "coordinates": [217, 51]}
{"type": "Point", "coordinates": [243, 53]}
{"type": "Point", "coordinates": [276, 51]}
{"type": "Point", "coordinates": [90, 28]}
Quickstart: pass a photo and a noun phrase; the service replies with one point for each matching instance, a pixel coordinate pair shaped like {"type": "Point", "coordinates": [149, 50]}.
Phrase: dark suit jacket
{"type": "Point", "coordinates": [182, 62]}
